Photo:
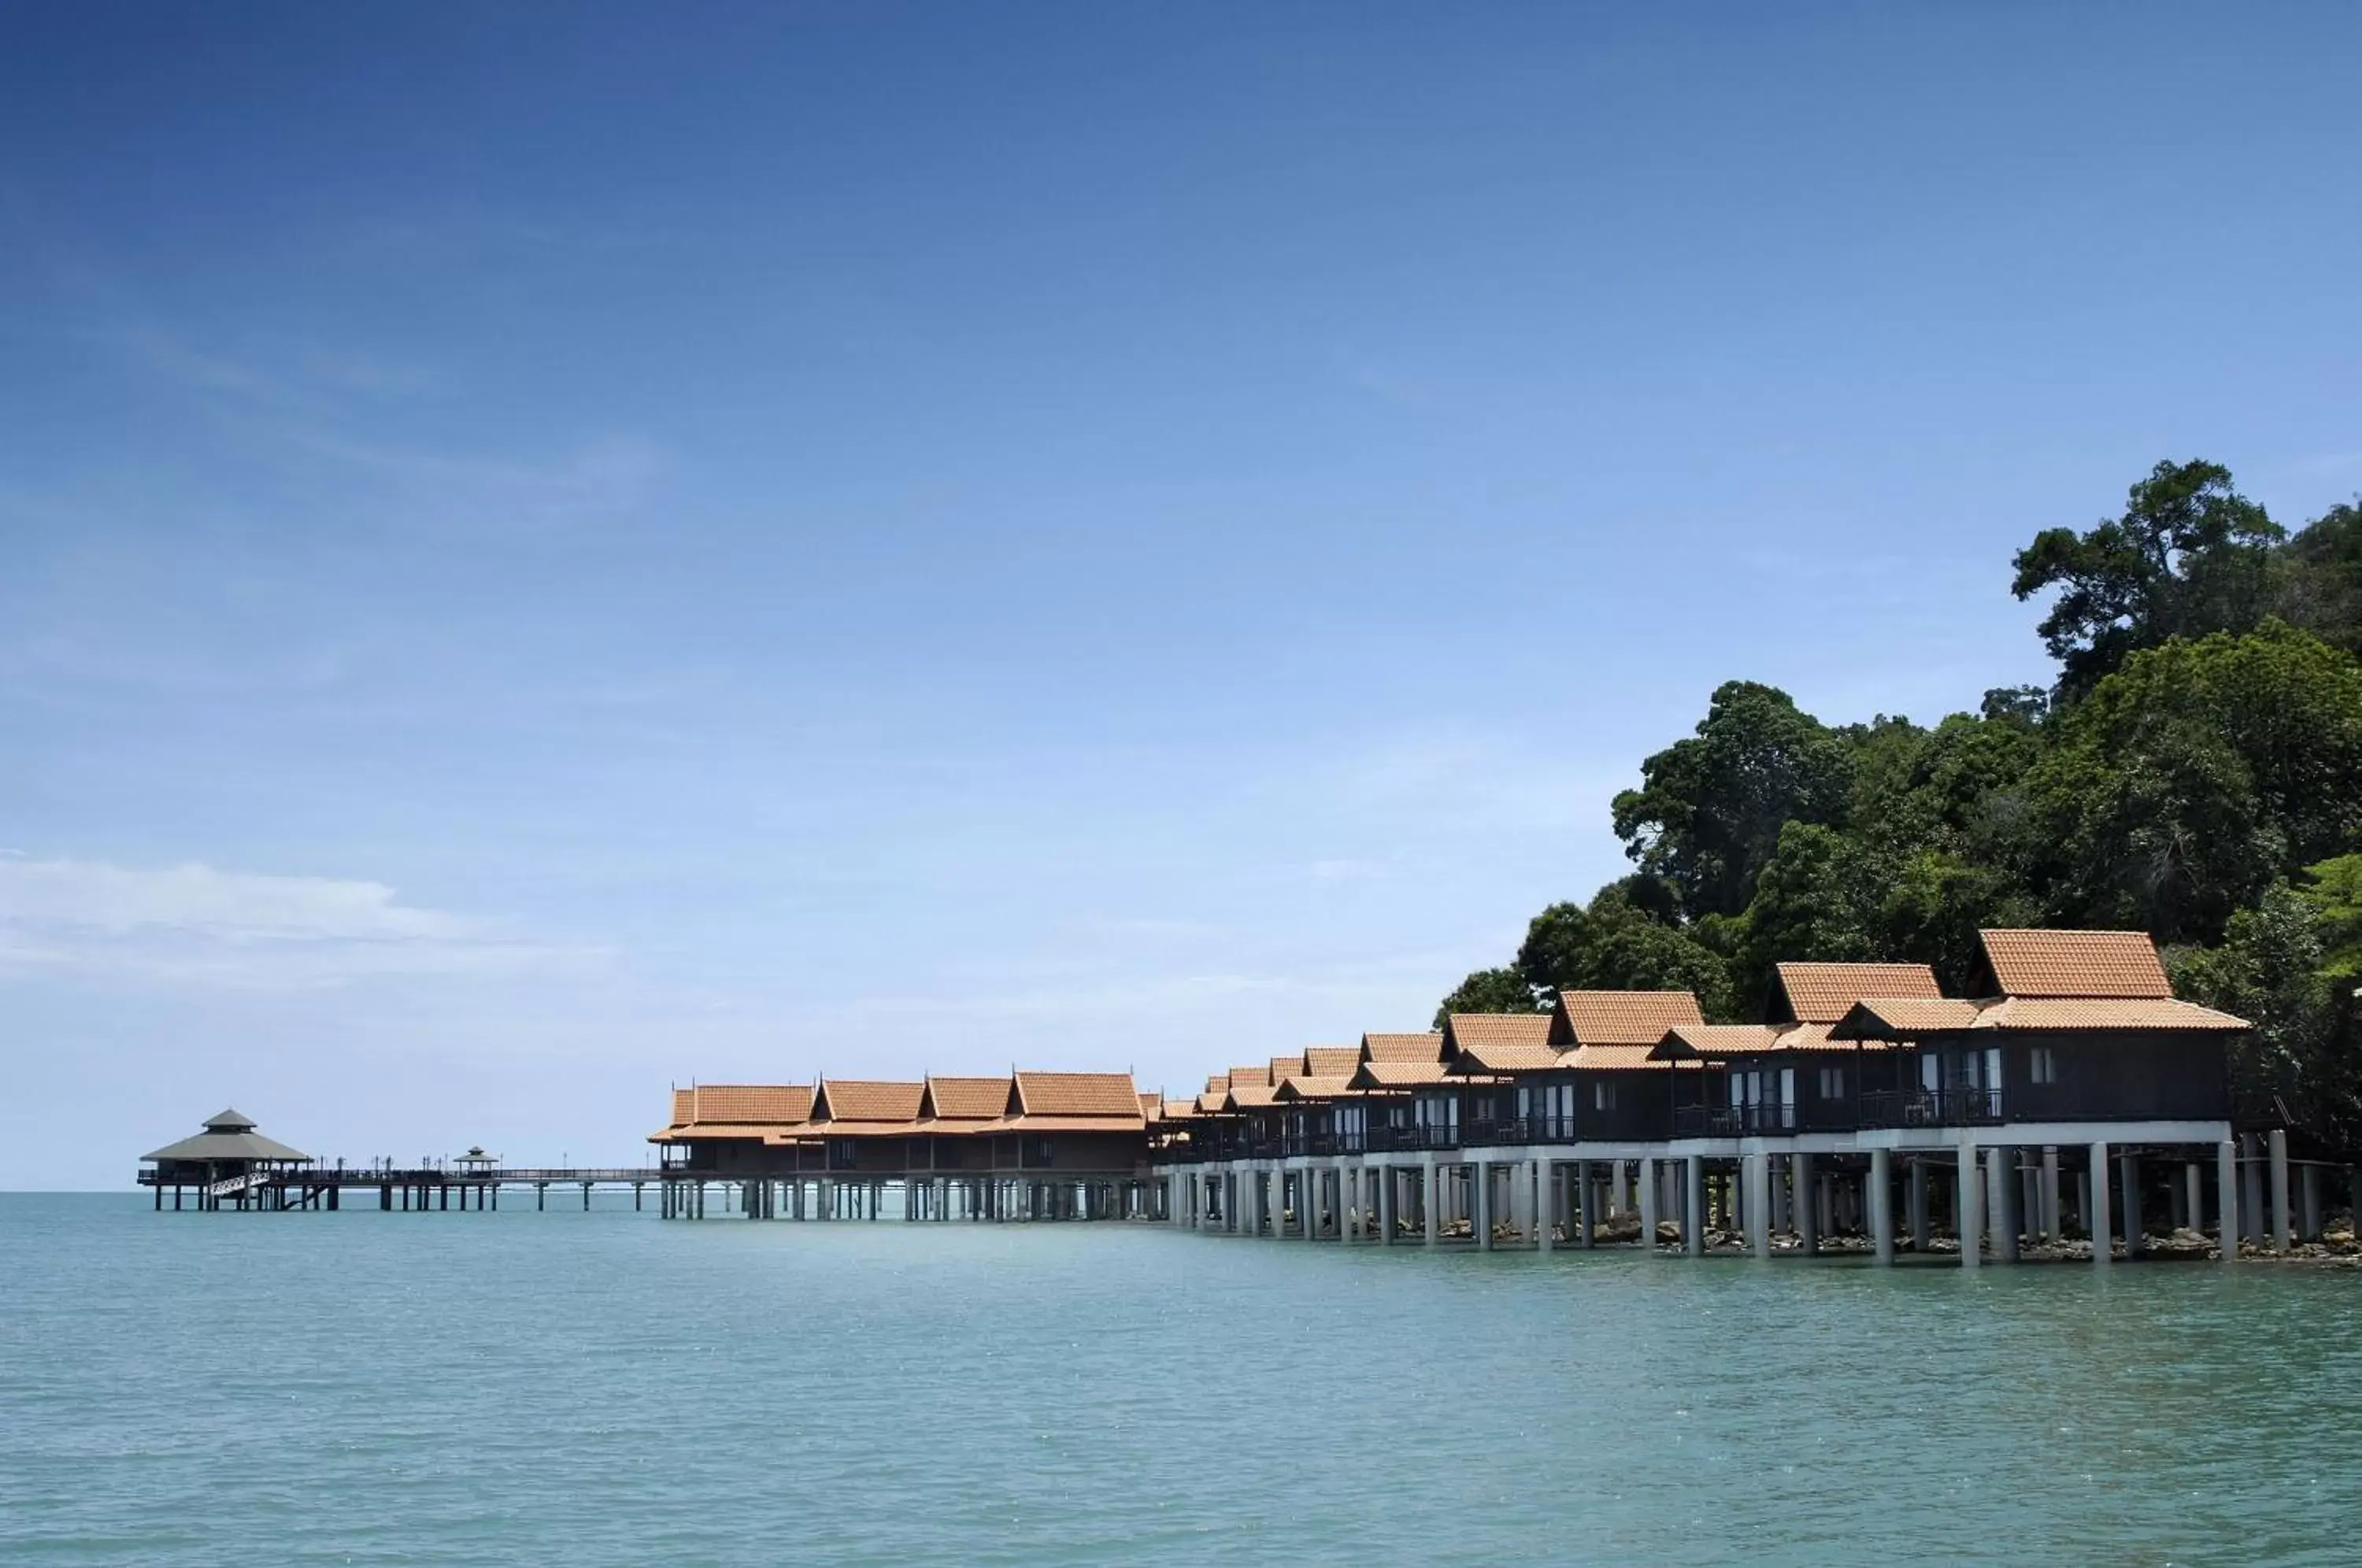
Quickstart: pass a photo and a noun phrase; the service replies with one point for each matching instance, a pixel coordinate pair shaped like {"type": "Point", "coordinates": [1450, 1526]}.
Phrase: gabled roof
{"type": "Point", "coordinates": [2084, 964]}
{"type": "Point", "coordinates": [1249, 1097]}
{"type": "Point", "coordinates": [1251, 1076]}
{"type": "Point", "coordinates": [742, 1103]}
{"type": "Point", "coordinates": [963, 1099]}
{"type": "Point", "coordinates": [1286, 1068]}
{"type": "Point", "coordinates": [1331, 1061]}
{"type": "Point", "coordinates": [1395, 1073]}
{"type": "Point", "coordinates": [1307, 1087]}
{"type": "Point", "coordinates": [1488, 1059]}
{"type": "Point", "coordinates": [865, 1099]}
{"type": "Point", "coordinates": [1427, 1047]}
{"type": "Point", "coordinates": [1096, 1095]}
{"type": "Point", "coordinates": [1690, 1040]}
{"type": "Point", "coordinates": [1902, 1018]}
{"type": "Point", "coordinates": [1619, 1017]}
{"type": "Point", "coordinates": [1217, 1082]}
{"type": "Point", "coordinates": [1620, 1058]}
{"type": "Point", "coordinates": [1821, 993]}
{"type": "Point", "coordinates": [1890, 1020]}
{"type": "Point", "coordinates": [1471, 1031]}
{"type": "Point", "coordinates": [1152, 1106]}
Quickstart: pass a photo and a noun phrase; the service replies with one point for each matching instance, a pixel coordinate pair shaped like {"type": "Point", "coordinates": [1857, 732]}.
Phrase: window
{"type": "Point", "coordinates": [1603, 1094]}
{"type": "Point", "coordinates": [2041, 1065]}
{"type": "Point", "coordinates": [1832, 1083]}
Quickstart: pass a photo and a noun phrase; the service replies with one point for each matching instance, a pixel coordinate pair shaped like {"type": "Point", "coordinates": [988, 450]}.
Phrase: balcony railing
{"type": "Point", "coordinates": [1402, 1140]}
{"type": "Point", "coordinates": [1932, 1108]}
{"type": "Point", "coordinates": [1769, 1119]}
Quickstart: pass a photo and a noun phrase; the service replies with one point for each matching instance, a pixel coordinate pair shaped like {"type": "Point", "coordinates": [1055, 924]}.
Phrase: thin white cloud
{"type": "Point", "coordinates": [197, 924]}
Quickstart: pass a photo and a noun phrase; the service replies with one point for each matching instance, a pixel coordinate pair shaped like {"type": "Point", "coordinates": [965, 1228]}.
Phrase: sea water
{"type": "Point", "coordinates": [607, 1388]}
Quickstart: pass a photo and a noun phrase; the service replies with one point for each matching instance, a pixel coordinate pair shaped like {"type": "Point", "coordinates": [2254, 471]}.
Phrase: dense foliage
{"type": "Point", "coordinates": [2196, 773]}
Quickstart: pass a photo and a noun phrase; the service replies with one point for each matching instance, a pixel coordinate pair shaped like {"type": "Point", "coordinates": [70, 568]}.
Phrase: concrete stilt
{"type": "Point", "coordinates": [2002, 1164]}
{"type": "Point", "coordinates": [2252, 1216]}
{"type": "Point", "coordinates": [2307, 1208]}
{"type": "Point", "coordinates": [2280, 1157]}
{"type": "Point", "coordinates": [1481, 1221]}
{"type": "Point", "coordinates": [2193, 1195]}
{"type": "Point", "coordinates": [1388, 1178]}
{"type": "Point", "coordinates": [2128, 1169]}
{"type": "Point", "coordinates": [1759, 1203]}
{"type": "Point", "coordinates": [1922, 1234]}
{"type": "Point", "coordinates": [1432, 1201]}
{"type": "Point", "coordinates": [2053, 1226]}
{"type": "Point", "coordinates": [2096, 1217]}
{"type": "Point", "coordinates": [1586, 1201]}
{"type": "Point", "coordinates": [1971, 1227]}
{"type": "Point", "coordinates": [1694, 1206]}
{"type": "Point", "coordinates": [1649, 1195]}
{"type": "Point", "coordinates": [2227, 1201]}
{"type": "Point", "coordinates": [1807, 1209]}
{"type": "Point", "coordinates": [1882, 1207]}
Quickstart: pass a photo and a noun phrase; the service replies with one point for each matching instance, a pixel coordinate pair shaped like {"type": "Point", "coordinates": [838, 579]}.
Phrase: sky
{"type": "Point", "coordinates": [551, 552]}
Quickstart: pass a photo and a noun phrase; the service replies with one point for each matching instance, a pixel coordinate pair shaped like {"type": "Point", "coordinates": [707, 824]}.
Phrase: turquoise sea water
{"type": "Point", "coordinates": [559, 1387]}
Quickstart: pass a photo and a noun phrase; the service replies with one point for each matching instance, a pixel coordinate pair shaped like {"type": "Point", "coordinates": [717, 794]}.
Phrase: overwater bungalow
{"type": "Point", "coordinates": [1039, 1144]}
{"type": "Point", "coordinates": [1864, 1085]}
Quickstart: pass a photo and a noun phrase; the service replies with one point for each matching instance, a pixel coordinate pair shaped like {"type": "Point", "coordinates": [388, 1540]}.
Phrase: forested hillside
{"type": "Point", "coordinates": [2196, 772]}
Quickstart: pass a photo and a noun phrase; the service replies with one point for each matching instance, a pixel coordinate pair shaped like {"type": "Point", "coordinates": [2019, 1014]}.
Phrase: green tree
{"type": "Point", "coordinates": [1817, 898]}
{"type": "Point", "coordinates": [1620, 943]}
{"type": "Point", "coordinates": [1708, 813]}
{"type": "Point", "coordinates": [2195, 777]}
{"type": "Point", "coordinates": [2322, 593]}
{"type": "Point", "coordinates": [2191, 554]}
{"type": "Point", "coordinates": [1490, 990]}
{"type": "Point", "coordinates": [2300, 1055]}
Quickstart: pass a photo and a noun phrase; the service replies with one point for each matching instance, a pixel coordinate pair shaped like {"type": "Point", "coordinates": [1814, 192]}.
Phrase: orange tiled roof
{"type": "Point", "coordinates": [1426, 1047]}
{"type": "Point", "coordinates": [1078, 1094]}
{"type": "Point", "coordinates": [1399, 1074]}
{"type": "Point", "coordinates": [1217, 1082]}
{"type": "Point", "coordinates": [1463, 1030]}
{"type": "Point", "coordinates": [968, 1100]}
{"type": "Point", "coordinates": [1248, 1076]}
{"type": "Point", "coordinates": [1823, 993]}
{"type": "Point", "coordinates": [1331, 1061]}
{"type": "Point", "coordinates": [1286, 1068]}
{"type": "Point", "coordinates": [1151, 1105]}
{"type": "Point", "coordinates": [1620, 1018]}
{"type": "Point", "coordinates": [1620, 1058]}
{"type": "Point", "coordinates": [684, 1107]}
{"type": "Point", "coordinates": [1690, 1040]}
{"type": "Point", "coordinates": [2115, 964]}
{"type": "Point", "coordinates": [746, 1102]}
{"type": "Point", "coordinates": [1307, 1087]}
{"type": "Point", "coordinates": [1488, 1057]}
{"type": "Point", "coordinates": [867, 1099]}
{"type": "Point", "coordinates": [1881, 1020]}
{"type": "Point", "coordinates": [1249, 1097]}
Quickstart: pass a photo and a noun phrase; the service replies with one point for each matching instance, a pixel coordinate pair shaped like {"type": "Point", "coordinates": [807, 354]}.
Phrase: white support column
{"type": "Point", "coordinates": [2129, 1171]}
{"type": "Point", "coordinates": [1545, 1206]}
{"type": "Point", "coordinates": [1759, 1203]}
{"type": "Point", "coordinates": [2278, 1146]}
{"type": "Point", "coordinates": [2097, 1221]}
{"type": "Point", "coordinates": [1922, 1234]}
{"type": "Point", "coordinates": [1389, 1179]}
{"type": "Point", "coordinates": [1803, 1204]}
{"type": "Point", "coordinates": [2226, 1199]}
{"type": "Point", "coordinates": [1431, 1200]}
{"type": "Point", "coordinates": [1882, 1207]}
{"type": "Point", "coordinates": [1972, 1188]}
{"type": "Point", "coordinates": [2308, 1207]}
{"type": "Point", "coordinates": [1481, 1223]}
{"type": "Point", "coordinates": [1649, 1191]}
{"type": "Point", "coordinates": [1586, 1205]}
{"type": "Point", "coordinates": [1693, 1202]}
{"type": "Point", "coordinates": [2006, 1191]}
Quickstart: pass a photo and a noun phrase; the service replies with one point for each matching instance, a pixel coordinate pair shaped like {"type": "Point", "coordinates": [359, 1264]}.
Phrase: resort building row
{"type": "Point", "coordinates": [2069, 1098]}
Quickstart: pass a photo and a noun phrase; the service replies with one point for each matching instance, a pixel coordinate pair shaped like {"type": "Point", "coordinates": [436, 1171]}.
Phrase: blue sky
{"type": "Point", "coordinates": [554, 551]}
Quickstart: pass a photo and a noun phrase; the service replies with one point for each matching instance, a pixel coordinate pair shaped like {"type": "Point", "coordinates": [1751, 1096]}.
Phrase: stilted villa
{"type": "Point", "coordinates": [1031, 1146]}
{"type": "Point", "coordinates": [1869, 1111]}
